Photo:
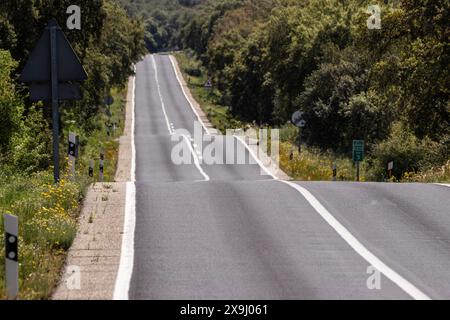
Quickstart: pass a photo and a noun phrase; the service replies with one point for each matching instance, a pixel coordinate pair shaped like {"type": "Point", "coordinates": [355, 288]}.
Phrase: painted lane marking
{"type": "Point", "coordinates": [171, 130]}
{"type": "Point", "coordinates": [404, 284]}
{"type": "Point", "coordinates": [160, 95]}
{"type": "Point", "coordinates": [443, 184]}
{"type": "Point", "coordinates": [123, 279]}
{"type": "Point", "coordinates": [196, 159]}
{"type": "Point", "coordinates": [185, 94]}
{"type": "Point", "coordinates": [263, 167]}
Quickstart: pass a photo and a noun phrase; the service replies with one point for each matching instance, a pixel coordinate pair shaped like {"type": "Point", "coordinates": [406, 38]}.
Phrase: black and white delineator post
{"type": "Point", "coordinates": [102, 166]}
{"type": "Point", "coordinates": [11, 224]}
{"type": "Point", "coordinates": [334, 171]}
{"type": "Point", "coordinates": [73, 151]}
{"type": "Point", "coordinates": [91, 168]}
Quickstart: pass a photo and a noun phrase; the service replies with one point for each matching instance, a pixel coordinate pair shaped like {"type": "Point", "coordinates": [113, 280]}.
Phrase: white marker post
{"type": "Point", "coordinates": [11, 256]}
{"type": "Point", "coordinates": [73, 151]}
{"type": "Point", "coordinates": [102, 166]}
{"type": "Point", "coordinates": [91, 168]}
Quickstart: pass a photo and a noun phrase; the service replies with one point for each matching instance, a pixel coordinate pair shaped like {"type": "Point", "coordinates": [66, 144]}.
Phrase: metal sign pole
{"type": "Point", "coordinates": [299, 141]}
{"type": "Point", "coordinates": [55, 99]}
{"type": "Point", "coordinates": [11, 224]}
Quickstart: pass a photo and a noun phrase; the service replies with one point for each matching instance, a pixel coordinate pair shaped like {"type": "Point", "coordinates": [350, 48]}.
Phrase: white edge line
{"type": "Point", "coordinates": [160, 95]}
{"type": "Point", "coordinates": [185, 94]}
{"type": "Point", "coordinates": [196, 160]}
{"type": "Point", "coordinates": [404, 284]}
{"type": "Point", "coordinates": [443, 184]}
{"type": "Point", "coordinates": [123, 279]}
{"type": "Point", "coordinates": [256, 158]}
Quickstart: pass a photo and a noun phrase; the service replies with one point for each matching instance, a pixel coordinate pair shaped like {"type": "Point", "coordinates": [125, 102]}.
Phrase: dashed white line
{"type": "Point", "coordinates": [170, 125]}
{"type": "Point", "coordinates": [404, 284]}
{"type": "Point", "coordinates": [196, 159]}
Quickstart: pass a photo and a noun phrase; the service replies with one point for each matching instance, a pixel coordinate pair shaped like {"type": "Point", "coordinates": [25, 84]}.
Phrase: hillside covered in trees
{"type": "Point", "coordinates": [269, 58]}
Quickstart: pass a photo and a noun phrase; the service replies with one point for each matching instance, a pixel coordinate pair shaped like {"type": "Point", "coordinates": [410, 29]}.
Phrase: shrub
{"type": "Point", "coordinates": [408, 153]}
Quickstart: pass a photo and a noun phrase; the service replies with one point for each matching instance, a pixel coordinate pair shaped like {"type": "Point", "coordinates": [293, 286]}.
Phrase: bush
{"type": "Point", "coordinates": [408, 153]}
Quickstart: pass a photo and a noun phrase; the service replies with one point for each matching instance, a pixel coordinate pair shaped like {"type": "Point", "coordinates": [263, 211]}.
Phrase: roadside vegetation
{"type": "Point", "coordinates": [108, 45]}
{"type": "Point", "coordinates": [389, 87]}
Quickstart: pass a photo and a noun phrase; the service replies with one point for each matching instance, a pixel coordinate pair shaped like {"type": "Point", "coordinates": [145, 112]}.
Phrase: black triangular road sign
{"type": "Point", "coordinates": [43, 91]}
{"type": "Point", "coordinates": [38, 66]}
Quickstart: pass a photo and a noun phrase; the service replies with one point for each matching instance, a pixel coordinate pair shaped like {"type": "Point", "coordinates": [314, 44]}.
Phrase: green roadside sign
{"type": "Point", "coordinates": [358, 150]}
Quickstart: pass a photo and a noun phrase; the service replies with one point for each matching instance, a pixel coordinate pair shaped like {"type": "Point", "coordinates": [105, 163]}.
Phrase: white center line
{"type": "Point", "coordinates": [172, 130]}
{"type": "Point", "coordinates": [160, 96]}
{"type": "Point", "coordinates": [196, 159]}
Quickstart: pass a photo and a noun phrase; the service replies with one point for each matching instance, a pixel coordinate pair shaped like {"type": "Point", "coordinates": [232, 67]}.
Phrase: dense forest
{"type": "Point", "coordinates": [269, 58]}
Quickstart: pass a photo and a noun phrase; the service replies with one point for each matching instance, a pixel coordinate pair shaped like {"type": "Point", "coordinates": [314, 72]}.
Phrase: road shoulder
{"type": "Point", "coordinates": [93, 260]}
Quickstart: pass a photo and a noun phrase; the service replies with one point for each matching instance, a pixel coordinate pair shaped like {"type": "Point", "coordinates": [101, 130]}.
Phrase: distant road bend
{"type": "Point", "coordinates": [228, 232]}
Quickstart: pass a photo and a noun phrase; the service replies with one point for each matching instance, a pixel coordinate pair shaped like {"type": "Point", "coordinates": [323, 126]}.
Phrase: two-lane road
{"type": "Point", "coordinates": [229, 232]}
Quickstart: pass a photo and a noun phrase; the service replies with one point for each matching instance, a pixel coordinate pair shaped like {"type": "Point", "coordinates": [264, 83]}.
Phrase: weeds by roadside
{"type": "Point", "coordinates": [48, 213]}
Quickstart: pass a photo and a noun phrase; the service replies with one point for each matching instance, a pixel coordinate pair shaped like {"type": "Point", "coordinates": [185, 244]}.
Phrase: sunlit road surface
{"type": "Point", "coordinates": [229, 232]}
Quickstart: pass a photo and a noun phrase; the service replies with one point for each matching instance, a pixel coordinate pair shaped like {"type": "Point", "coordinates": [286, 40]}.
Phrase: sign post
{"type": "Point", "coordinates": [298, 121]}
{"type": "Point", "coordinates": [55, 100]}
{"type": "Point", "coordinates": [390, 168]}
{"type": "Point", "coordinates": [11, 224]}
{"type": "Point", "coordinates": [50, 68]}
{"type": "Point", "coordinates": [358, 155]}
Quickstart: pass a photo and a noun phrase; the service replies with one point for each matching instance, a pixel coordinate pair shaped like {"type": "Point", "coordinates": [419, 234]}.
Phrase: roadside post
{"type": "Point", "coordinates": [91, 168]}
{"type": "Point", "coordinates": [334, 171]}
{"type": "Point", "coordinates": [102, 166]}
{"type": "Point", "coordinates": [390, 169]}
{"type": "Point", "coordinates": [11, 224]}
{"type": "Point", "coordinates": [298, 121]}
{"type": "Point", "coordinates": [50, 70]}
{"type": "Point", "coordinates": [358, 155]}
{"type": "Point", "coordinates": [73, 151]}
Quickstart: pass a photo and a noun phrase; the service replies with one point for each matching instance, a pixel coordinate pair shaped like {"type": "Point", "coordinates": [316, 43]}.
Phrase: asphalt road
{"type": "Point", "coordinates": [229, 232]}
